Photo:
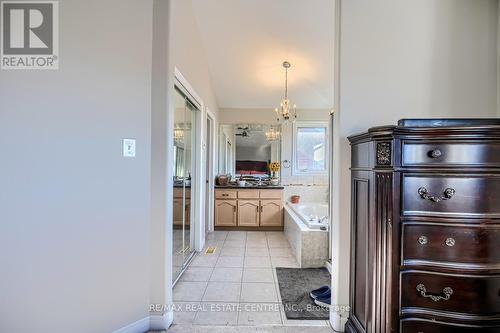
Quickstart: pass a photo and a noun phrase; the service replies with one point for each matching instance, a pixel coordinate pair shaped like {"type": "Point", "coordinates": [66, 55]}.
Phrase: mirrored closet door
{"type": "Point", "coordinates": [184, 152]}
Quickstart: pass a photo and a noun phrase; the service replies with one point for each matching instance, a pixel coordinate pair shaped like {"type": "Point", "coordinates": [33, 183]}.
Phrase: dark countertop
{"type": "Point", "coordinates": [249, 187]}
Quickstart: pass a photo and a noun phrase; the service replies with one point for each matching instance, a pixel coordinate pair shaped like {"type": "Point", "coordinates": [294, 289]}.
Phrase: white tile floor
{"type": "Point", "coordinates": [236, 285]}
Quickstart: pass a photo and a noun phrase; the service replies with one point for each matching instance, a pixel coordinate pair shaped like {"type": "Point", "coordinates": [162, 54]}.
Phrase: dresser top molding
{"type": "Point", "coordinates": [432, 129]}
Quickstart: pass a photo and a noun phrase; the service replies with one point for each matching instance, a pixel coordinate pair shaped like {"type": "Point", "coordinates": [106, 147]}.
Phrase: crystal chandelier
{"type": "Point", "coordinates": [286, 110]}
{"type": "Point", "coordinates": [272, 134]}
{"type": "Point", "coordinates": [178, 134]}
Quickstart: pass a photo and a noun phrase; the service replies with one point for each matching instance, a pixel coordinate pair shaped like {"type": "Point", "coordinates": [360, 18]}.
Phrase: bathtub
{"type": "Point", "coordinates": [306, 228]}
{"type": "Point", "coordinates": [313, 215]}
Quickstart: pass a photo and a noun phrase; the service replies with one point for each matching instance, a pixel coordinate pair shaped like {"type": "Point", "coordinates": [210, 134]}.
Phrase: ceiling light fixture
{"type": "Point", "coordinates": [284, 112]}
{"type": "Point", "coordinates": [272, 134]}
{"type": "Point", "coordinates": [178, 134]}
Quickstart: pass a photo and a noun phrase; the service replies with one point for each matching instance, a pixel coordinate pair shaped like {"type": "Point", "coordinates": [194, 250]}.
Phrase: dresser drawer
{"type": "Point", "coordinates": [451, 195]}
{"type": "Point", "coordinates": [223, 194]}
{"type": "Point", "coordinates": [450, 154]}
{"type": "Point", "coordinates": [424, 326]}
{"type": "Point", "coordinates": [466, 294]}
{"type": "Point", "coordinates": [451, 245]}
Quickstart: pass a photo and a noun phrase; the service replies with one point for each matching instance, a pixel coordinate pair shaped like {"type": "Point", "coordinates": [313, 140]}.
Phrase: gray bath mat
{"type": "Point", "coordinates": [295, 285]}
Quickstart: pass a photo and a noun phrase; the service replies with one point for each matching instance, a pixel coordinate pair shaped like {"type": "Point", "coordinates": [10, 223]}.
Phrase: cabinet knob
{"type": "Point", "coordinates": [436, 153]}
{"type": "Point", "coordinates": [450, 242]}
{"type": "Point", "coordinates": [423, 240]}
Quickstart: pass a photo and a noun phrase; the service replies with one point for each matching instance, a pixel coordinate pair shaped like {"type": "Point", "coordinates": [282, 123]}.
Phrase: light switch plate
{"type": "Point", "coordinates": [129, 147]}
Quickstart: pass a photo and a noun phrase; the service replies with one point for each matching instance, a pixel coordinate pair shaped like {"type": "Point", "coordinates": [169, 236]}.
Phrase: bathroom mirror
{"type": "Point", "coordinates": [246, 150]}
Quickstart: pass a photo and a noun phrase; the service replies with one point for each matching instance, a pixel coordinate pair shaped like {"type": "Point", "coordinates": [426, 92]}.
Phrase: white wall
{"type": "Point", "coordinates": [408, 58]}
{"type": "Point", "coordinates": [188, 54]}
{"type": "Point", "coordinates": [74, 231]}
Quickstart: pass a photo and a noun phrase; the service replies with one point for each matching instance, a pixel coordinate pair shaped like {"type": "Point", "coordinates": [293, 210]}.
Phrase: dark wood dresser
{"type": "Point", "coordinates": [425, 255]}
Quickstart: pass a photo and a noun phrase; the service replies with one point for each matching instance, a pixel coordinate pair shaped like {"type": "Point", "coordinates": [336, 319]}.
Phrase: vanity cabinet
{"type": "Point", "coordinates": [248, 213]}
{"type": "Point", "coordinates": [271, 213]}
{"type": "Point", "coordinates": [249, 208]}
{"type": "Point", "coordinates": [181, 206]}
{"type": "Point", "coordinates": [225, 213]}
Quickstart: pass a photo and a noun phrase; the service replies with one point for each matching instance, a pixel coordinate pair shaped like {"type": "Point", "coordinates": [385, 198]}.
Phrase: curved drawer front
{"type": "Point", "coordinates": [459, 246]}
{"type": "Point", "coordinates": [466, 294]}
{"type": "Point", "coordinates": [422, 326]}
{"type": "Point", "coordinates": [451, 154]}
{"type": "Point", "coordinates": [450, 195]}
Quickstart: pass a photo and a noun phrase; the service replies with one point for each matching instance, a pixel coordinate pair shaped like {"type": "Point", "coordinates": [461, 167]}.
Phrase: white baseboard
{"type": "Point", "coordinates": [139, 326]}
{"type": "Point", "coordinates": [338, 322]}
{"type": "Point", "coordinates": [161, 322]}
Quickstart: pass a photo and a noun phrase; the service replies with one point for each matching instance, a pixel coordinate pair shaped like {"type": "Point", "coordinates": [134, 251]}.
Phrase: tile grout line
{"type": "Point", "coordinates": [241, 281]}
{"type": "Point", "coordinates": [206, 287]}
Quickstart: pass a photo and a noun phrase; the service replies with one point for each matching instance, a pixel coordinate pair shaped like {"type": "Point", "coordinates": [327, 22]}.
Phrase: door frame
{"type": "Point", "coordinates": [340, 230]}
{"type": "Point", "coordinates": [198, 225]}
{"type": "Point", "coordinates": [211, 166]}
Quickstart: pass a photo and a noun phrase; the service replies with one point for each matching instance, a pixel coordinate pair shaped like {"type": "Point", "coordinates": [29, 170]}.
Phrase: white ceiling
{"type": "Point", "coordinates": [246, 42]}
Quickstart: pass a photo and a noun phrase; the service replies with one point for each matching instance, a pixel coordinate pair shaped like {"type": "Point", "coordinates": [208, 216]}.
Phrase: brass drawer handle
{"type": "Point", "coordinates": [450, 242]}
{"type": "Point", "coordinates": [447, 194]}
{"type": "Point", "coordinates": [225, 194]}
{"type": "Point", "coordinates": [436, 153]}
{"type": "Point", "coordinates": [436, 298]}
{"type": "Point", "coordinates": [423, 240]}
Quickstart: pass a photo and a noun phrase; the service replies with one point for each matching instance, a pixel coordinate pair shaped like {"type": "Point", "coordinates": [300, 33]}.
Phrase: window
{"type": "Point", "coordinates": [310, 148]}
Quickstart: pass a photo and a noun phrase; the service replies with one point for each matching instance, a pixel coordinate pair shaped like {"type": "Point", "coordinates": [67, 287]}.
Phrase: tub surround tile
{"type": "Point", "coordinates": [310, 247]}
{"type": "Point", "coordinates": [308, 193]}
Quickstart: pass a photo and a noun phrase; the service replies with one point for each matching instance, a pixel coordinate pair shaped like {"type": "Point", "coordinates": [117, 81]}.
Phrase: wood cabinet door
{"type": "Point", "coordinates": [178, 211]}
{"type": "Point", "coordinates": [248, 213]}
{"type": "Point", "coordinates": [271, 214]}
{"type": "Point", "coordinates": [225, 213]}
